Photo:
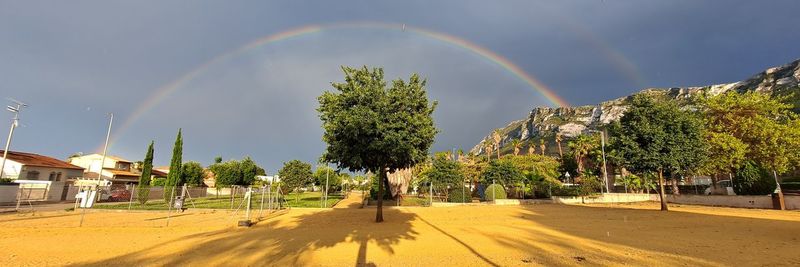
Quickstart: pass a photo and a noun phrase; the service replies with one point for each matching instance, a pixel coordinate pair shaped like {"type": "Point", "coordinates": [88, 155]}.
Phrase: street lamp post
{"type": "Point", "coordinates": [14, 124]}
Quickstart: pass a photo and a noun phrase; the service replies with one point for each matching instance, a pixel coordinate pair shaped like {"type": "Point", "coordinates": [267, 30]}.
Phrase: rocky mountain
{"type": "Point", "coordinates": [543, 124]}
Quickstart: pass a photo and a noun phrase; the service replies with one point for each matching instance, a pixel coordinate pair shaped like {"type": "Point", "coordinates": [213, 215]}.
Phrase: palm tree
{"type": "Point", "coordinates": [581, 146]}
{"type": "Point", "coordinates": [541, 146]}
{"type": "Point", "coordinates": [516, 143]}
{"type": "Point", "coordinates": [558, 141]}
{"type": "Point", "coordinates": [497, 139]}
{"type": "Point", "coordinates": [488, 150]}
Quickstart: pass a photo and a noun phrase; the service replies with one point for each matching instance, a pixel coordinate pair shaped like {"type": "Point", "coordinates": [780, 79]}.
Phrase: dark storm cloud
{"type": "Point", "coordinates": [77, 61]}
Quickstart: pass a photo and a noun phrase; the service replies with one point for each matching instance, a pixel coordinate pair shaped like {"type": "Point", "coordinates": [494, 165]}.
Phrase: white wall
{"type": "Point", "coordinates": [8, 193]}
{"type": "Point", "coordinates": [758, 202]}
{"type": "Point", "coordinates": [604, 198]}
{"type": "Point", "coordinates": [12, 169]}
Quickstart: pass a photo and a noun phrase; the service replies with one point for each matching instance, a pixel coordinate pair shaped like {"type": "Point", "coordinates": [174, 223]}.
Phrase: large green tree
{"type": "Point", "coordinates": [192, 173]}
{"type": "Point", "coordinates": [369, 127]}
{"type": "Point", "coordinates": [249, 171]}
{"type": "Point", "coordinates": [296, 174]}
{"type": "Point", "coordinates": [445, 173]}
{"type": "Point", "coordinates": [656, 136]}
{"type": "Point", "coordinates": [175, 168]}
{"type": "Point", "coordinates": [502, 171]}
{"type": "Point", "coordinates": [765, 127]}
{"type": "Point", "coordinates": [143, 191]}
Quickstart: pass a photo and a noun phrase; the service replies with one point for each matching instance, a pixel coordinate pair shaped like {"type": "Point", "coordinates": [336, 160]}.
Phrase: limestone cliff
{"type": "Point", "coordinates": [544, 123]}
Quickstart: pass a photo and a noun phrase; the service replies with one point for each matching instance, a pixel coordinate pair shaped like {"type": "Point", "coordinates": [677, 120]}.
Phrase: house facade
{"type": "Point", "coordinates": [115, 169]}
{"type": "Point", "coordinates": [30, 166]}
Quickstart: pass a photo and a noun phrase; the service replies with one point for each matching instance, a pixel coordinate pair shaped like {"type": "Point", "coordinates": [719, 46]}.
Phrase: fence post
{"type": "Point", "coordinates": [130, 202]}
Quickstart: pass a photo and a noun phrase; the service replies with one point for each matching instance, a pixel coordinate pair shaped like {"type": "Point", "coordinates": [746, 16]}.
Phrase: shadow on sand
{"type": "Point", "coordinates": [288, 241]}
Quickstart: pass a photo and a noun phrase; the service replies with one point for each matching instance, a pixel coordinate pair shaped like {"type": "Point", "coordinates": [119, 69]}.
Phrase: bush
{"type": "Point", "coordinates": [751, 179]}
{"type": "Point", "coordinates": [493, 192]}
{"type": "Point", "coordinates": [159, 181]}
{"type": "Point", "coordinates": [459, 196]}
{"type": "Point", "coordinates": [565, 191]}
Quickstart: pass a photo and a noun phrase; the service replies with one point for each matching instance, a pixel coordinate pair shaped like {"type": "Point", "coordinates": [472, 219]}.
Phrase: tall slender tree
{"type": "Point", "coordinates": [143, 191]}
{"type": "Point", "coordinates": [369, 127]}
{"type": "Point", "coordinates": [558, 141]}
{"type": "Point", "coordinates": [175, 168]}
{"type": "Point", "coordinates": [496, 138]}
{"type": "Point", "coordinates": [517, 146]}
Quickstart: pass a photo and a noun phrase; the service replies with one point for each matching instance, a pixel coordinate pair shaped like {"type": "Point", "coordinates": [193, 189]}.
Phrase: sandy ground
{"type": "Point", "coordinates": [548, 234]}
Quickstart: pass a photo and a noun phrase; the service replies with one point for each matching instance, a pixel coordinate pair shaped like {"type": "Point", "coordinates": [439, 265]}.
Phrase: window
{"type": "Point", "coordinates": [52, 176]}
{"type": "Point", "coordinates": [58, 177]}
{"type": "Point", "coordinates": [32, 175]}
{"type": "Point", "coordinates": [123, 166]}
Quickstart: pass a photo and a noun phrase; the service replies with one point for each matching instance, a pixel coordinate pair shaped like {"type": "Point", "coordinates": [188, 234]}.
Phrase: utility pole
{"type": "Point", "coordinates": [14, 124]}
{"type": "Point", "coordinates": [105, 148]}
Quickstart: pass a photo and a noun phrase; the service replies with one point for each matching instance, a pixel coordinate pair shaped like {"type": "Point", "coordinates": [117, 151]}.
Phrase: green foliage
{"type": "Point", "coordinates": [332, 176]}
{"type": "Point", "coordinates": [159, 182]}
{"type": "Point", "coordinates": [536, 167]}
{"type": "Point", "coordinates": [751, 179]}
{"type": "Point", "coordinates": [295, 174]}
{"type": "Point", "coordinates": [369, 127]}
{"type": "Point", "coordinates": [589, 185]}
{"type": "Point", "coordinates": [444, 173]}
{"type": "Point", "coordinates": [459, 195]}
{"type": "Point", "coordinates": [725, 153]}
{"type": "Point", "coordinates": [581, 148]}
{"type": "Point", "coordinates": [143, 191]}
{"type": "Point", "coordinates": [175, 168]}
{"type": "Point", "coordinates": [766, 125]}
{"type": "Point", "coordinates": [654, 136]}
{"type": "Point", "coordinates": [192, 174]}
{"type": "Point", "coordinates": [226, 173]}
{"type": "Point", "coordinates": [249, 170]}
{"type": "Point", "coordinates": [234, 172]}
{"type": "Point", "coordinates": [502, 171]}
{"type": "Point", "coordinates": [495, 191]}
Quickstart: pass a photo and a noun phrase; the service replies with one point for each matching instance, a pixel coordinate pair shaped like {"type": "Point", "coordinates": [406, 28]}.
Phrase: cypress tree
{"type": "Point", "coordinates": [143, 191]}
{"type": "Point", "coordinates": [175, 167]}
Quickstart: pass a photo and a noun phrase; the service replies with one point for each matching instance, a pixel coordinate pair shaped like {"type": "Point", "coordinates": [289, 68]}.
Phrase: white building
{"type": "Point", "coordinates": [118, 170]}
{"type": "Point", "coordinates": [29, 166]}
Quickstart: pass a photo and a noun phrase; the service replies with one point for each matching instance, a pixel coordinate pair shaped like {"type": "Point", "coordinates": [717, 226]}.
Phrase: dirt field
{"type": "Point", "coordinates": [545, 234]}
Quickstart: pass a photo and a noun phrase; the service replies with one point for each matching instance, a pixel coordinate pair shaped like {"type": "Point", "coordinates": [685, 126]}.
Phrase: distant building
{"type": "Point", "coordinates": [117, 170]}
{"type": "Point", "coordinates": [29, 166]}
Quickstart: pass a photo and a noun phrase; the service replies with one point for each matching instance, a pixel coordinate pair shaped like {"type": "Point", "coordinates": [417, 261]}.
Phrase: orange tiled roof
{"type": "Point", "coordinates": [31, 159]}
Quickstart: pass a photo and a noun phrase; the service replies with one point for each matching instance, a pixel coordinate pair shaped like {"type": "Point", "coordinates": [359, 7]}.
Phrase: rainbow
{"type": "Point", "coordinates": [167, 89]}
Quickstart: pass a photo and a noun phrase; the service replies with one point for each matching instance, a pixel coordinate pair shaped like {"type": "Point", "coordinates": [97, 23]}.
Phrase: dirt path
{"type": "Point", "coordinates": [353, 200]}
{"type": "Point", "coordinates": [544, 235]}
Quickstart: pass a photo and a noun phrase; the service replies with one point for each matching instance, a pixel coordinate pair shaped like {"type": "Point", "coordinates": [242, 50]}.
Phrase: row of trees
{"type": "Point", "coordinates": [232, 172]}
{"type": "Point", "coordinates": [296, 174]}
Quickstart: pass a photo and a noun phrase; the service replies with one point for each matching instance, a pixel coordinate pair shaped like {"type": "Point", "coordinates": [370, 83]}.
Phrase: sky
{"type": "Point", "coordinates": [197, 65]}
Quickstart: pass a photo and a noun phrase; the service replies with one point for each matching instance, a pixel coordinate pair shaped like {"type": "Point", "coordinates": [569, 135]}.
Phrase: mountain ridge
{"type": "Point", "coordinates": [544, 123]}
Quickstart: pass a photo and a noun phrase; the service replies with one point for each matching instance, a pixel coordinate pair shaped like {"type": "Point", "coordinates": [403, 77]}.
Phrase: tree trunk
{"type": "Point", "coordinates": [661, 193]}
{"type": "Point", "coordinates": [675, 189]}
{"type": "Point", "coordinates": [382, 176]}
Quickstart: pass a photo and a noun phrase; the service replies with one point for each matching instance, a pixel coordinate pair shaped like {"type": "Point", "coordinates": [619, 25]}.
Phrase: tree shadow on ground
{"type": "Point", "coordinates": [287, 240]}
{"type": "Point", "coordinates": [618, 235]}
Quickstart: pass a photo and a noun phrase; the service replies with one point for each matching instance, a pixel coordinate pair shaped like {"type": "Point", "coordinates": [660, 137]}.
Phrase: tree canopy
{"type": "Point", "coordinates": [369, 127]}
{"type": "Point", "coordinates": [192, 173]}
{"type": "Point", "coordinates": [295, 174]}
{"type": "Point", "coordinates": [654, 136]}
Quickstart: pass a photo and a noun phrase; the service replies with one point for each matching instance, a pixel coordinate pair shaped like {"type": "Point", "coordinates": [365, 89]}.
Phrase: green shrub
{"type": "Point", "coordinates": [493, 192]}
{"type": "Point", "coordinates": [751, 179]}
{"type": "Point", "coordinates": [459, 196]}
{"type": "Point", "coordinates": [159, 181]}
{"type": "Point", "coordinates": [565, 191]}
